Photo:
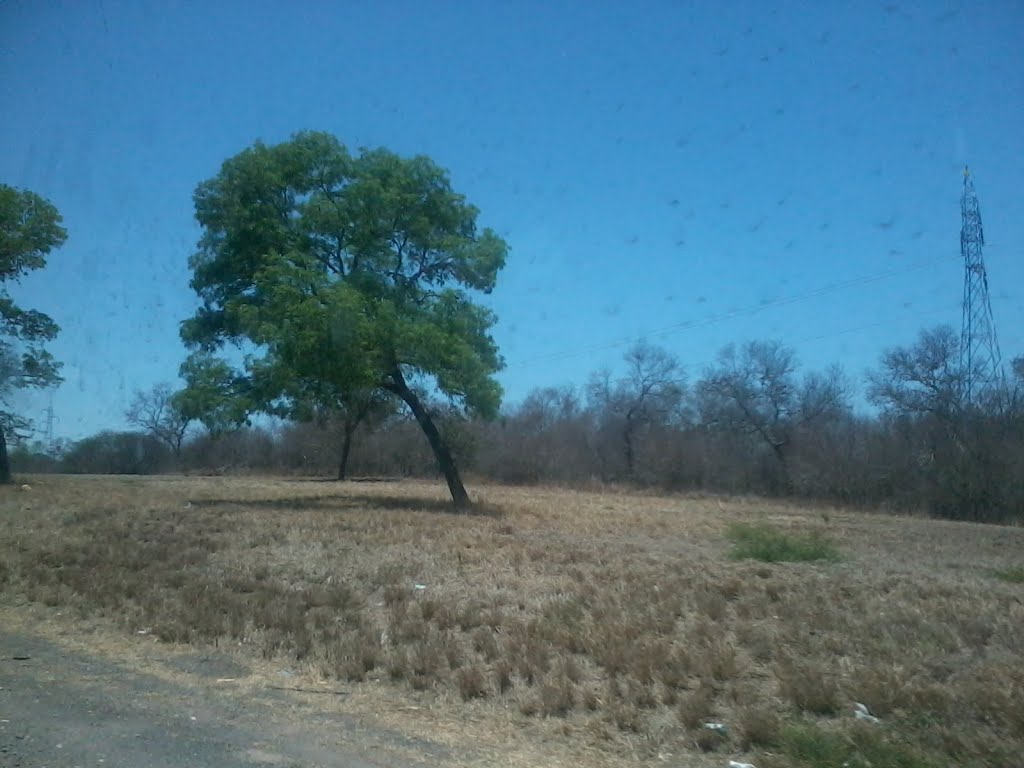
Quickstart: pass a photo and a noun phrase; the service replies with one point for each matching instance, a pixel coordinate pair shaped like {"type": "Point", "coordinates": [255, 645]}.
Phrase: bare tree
{"type": "Point", "coordinates": [117, 453]}
{"type": "Point", "coordinates": [651, 392]}
{"type": "Point", "coordinates": [970, 455]}
{"type": "Point", "coordinates": [1016, 399]}
{"type": "Point", "coordinates": [547, 437]}
{"type": "Point", "coordinates": [158, 413]}
{"type": "Point", "coordinates": [755, 391]}
{"type": "Point", "coordinates": [923, 379]}
{"type": "Point", "coordinates": [339, 410]}
{"type": "Point", "coordinates": [369, 409]}
{"type": "Point", "coordinates": [544, 408]}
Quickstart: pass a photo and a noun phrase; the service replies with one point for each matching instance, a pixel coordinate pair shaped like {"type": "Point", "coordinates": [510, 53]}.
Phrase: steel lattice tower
{"type": "Point", "coordinates": [48, 440]}
{"type": "Point", "coordinates": [979, 351]}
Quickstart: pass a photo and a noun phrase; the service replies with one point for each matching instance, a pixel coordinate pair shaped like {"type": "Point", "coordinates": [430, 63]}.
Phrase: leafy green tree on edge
{"type": "Point", "coordinates": [30, 227]}
{"type": "Point", "coordinates": [338, 274]}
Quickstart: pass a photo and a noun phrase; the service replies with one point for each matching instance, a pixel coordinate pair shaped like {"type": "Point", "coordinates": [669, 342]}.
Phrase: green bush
{"type": "Point", "coordinates": [762, 542]}
{"type": "Point", "coordinates": [1013, 575]}
{"type": "Point", "coordinates": [860, 748]}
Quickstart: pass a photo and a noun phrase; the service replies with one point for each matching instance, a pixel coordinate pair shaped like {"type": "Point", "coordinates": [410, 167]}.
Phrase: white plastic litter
{"type": "Point", "coordinates": [734, 764]}
{"type": "Point", "coordinates": [419, 586]}
{"type": "Point", "coordinates": [861, 712]}
{"type": "Point", "coordinates": [718, 727]}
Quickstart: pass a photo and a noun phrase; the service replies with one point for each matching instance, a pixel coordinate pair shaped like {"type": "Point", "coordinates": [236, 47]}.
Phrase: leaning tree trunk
{"type": "Point", "coordinates": [5, 462]}
{"type": "Point", "coordinates": [445, 462]}
{"type": "Point", "coordinates": [346, 447]}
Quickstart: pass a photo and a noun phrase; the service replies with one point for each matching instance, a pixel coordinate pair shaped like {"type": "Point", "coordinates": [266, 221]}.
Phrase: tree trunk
{"type": "Point", "coordinates": [346, 446]}
{"type": "Point", "coordinates": [779, 450]}
{"type": "Point", "coordinates": [445, 462]}
{"type": "Point", "coordinates": [5, 462]}
{"type": "Point", "coordinates": [627, 437]}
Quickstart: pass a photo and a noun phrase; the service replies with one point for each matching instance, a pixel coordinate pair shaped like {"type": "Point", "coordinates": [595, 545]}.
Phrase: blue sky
{"type": "Point", "coordinates": [693, 173]}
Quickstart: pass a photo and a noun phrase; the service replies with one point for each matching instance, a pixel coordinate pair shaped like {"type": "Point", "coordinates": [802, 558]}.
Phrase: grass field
{"type": "Point", "coordinates": [612, 627]}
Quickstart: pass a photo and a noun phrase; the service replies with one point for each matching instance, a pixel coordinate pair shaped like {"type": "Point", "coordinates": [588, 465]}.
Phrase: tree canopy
{"type": "Point", "coordinates": [30, 227]}
{"type": "Point", "coordinates": [341, 273]}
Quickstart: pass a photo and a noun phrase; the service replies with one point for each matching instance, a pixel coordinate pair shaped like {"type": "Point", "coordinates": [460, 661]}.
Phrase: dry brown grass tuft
{"type": "Point", "coordinates": [758, 726]}
{"type": "Point", "coordinates": [696, 707]}
{"type": "Point", "coordinates": [613, 622]}
{"type": "Point", "coordinates": [809, 685]}
{"type": "Point", "coordinates": [472, 682]}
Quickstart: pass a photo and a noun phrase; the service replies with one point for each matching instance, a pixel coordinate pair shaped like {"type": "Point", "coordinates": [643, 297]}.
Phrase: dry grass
{"type": "Point", "coordinates": [610, 621]}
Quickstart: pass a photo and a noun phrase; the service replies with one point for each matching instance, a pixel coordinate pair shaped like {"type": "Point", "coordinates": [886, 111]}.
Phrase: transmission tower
{"type": "Point", "coordinates": [49, 425]}
{"type": "Point", "coordinates": [979, 351]}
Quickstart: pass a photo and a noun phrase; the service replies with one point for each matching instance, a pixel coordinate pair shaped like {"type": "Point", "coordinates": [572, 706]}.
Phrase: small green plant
{"type": "Point", "coordinates": [807, 745]}
{"type": "Point", "coordinates": [770, 545]}
{"type": "Point", "coordinates": [1013, 575]}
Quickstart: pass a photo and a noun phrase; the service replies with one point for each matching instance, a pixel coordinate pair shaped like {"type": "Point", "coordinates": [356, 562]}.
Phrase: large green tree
{"type": "Point", "coordinates": [30, 227]}
{"type": "Point", "coordinates": [338, 273]}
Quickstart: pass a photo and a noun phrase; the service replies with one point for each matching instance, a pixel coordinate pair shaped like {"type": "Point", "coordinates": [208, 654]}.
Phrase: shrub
{"type": "Point", "coordinates": [807, 745]}
{"type": "Point", "coordinates": [758, 727]}
{"type": "Point", "coordinates": [770, 545]}
{"type": "Point", "coordinates": [1012, 575]}
{"type": "Point", "coordinates": [472, 683]}
{"type": "Point", "coordinates": [809, 686]}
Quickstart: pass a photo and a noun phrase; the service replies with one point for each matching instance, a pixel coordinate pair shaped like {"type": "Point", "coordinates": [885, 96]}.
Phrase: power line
{"type": "Point", "coordinates": [732, 314]}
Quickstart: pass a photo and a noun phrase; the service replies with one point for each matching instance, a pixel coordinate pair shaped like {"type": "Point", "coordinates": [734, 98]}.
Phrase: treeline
{"type": "Point", "coordinates": [752, 423]}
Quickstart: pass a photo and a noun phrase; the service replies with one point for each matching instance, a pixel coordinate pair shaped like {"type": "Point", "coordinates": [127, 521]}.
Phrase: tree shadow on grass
{"type": "Point", "coordinates": [342, 483]}
{"type": "Point", "coordinates": [414, 504]}
{"type": "Point", "coordinates": [358, 501]}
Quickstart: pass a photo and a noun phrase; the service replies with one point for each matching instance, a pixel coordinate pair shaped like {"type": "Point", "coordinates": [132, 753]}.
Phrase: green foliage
{"type": "Point", "coordinates": [343, 274]}
{"type": "Point", "coordinates": [214, 394]}
{"type": "Point", "coordinates": [866, 747]}
{"type": "Point", "coordinates": [34, 458]}
{"type": "Point", "coordinates": [1013, 575]}
{"type": "Point", "coordinates": [30, 227]}
{"type": "Point", "coordinates": [770, 545]}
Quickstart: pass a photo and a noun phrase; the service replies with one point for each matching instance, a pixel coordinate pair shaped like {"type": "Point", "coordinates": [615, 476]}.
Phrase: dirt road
{"type": "Point", "coordinates": [61, 708]}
